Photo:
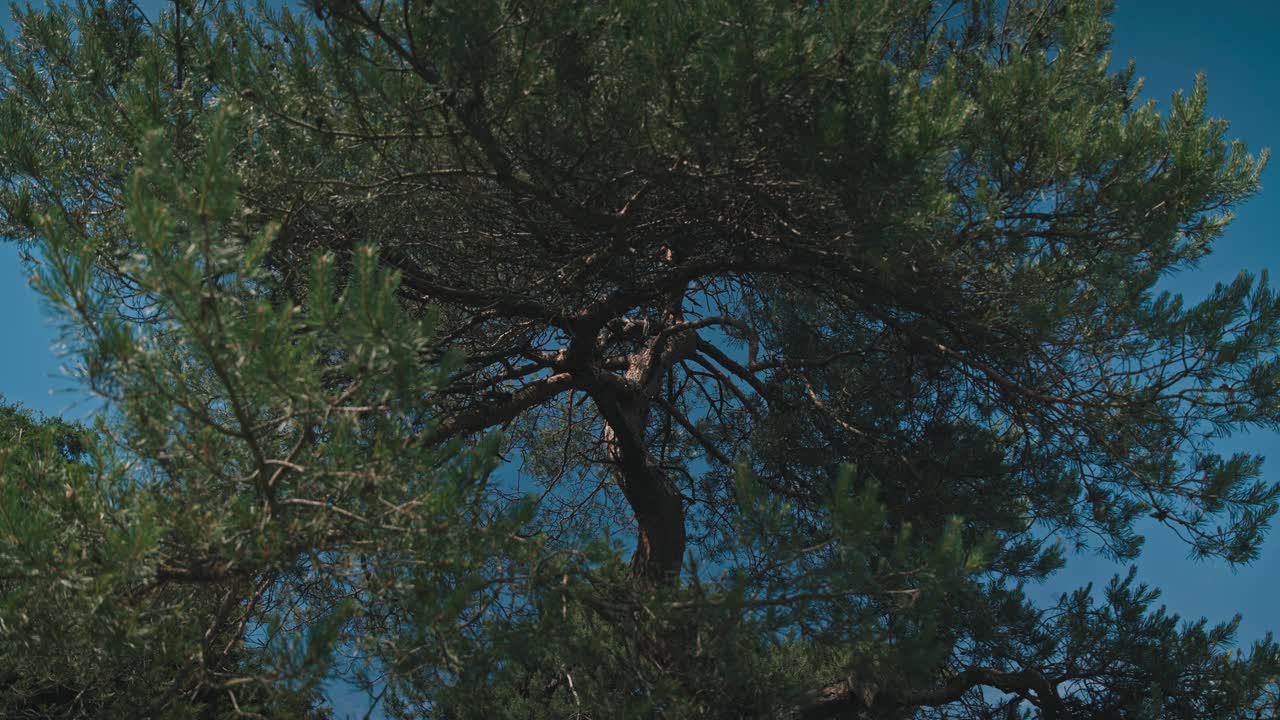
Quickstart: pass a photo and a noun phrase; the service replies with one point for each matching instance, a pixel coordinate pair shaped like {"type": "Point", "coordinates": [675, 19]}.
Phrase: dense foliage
{"type": "Point", "coordinates": [520, 358]}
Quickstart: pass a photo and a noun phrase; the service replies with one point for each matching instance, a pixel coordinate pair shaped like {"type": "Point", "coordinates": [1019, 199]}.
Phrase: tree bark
{"type": "Point", "coordinates": [658, 509]}
{"type": "Point", "coordinates": [625, 403]}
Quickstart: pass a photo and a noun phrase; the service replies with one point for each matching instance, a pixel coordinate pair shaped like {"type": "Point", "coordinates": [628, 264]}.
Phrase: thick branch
{"type": "Point", "coordinates": [493, 414]}
{"type": "Point", "coordinates": [658, 508]}
{"type": "Point", "coordinates": [847, 699]}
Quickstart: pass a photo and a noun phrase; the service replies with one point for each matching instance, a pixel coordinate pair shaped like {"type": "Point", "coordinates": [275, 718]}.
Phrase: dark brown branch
{"type": "Point", "coordinates": [494, 414]}
{"type": "Point", "coordinates": [696, 434]}
{"type": "Point", "coordinates": [658, 508]}
{"type": "Point", "coordinates": [413, 278]}
{"type": "Point", "coordinates": [732, 366]}
{"type": "Point", "coordinates": [847, 697]}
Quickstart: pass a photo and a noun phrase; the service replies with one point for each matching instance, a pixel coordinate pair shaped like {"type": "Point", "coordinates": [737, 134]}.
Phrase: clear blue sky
{"type": "Point", "coordinates": [1233, 41]}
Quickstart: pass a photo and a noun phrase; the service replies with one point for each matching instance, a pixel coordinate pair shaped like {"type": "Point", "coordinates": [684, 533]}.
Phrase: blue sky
{"type": "Point", "coordinates": [1232, 41]}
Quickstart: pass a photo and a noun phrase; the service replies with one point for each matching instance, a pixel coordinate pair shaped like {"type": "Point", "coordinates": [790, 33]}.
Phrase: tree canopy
{"type": "Point", "coordinates": [514, 358]}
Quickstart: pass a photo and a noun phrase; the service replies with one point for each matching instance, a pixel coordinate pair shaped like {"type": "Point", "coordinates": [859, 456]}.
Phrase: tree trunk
{"type": "Point", "coordinates": [653, 498]}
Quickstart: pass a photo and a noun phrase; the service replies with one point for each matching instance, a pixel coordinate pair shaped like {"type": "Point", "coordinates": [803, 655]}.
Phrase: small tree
{"type": "Point", "coordinates": [836, 318]}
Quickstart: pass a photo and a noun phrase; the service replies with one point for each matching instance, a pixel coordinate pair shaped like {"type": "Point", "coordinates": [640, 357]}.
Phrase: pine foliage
{"type": "Point", "coordinates": [525, 359]}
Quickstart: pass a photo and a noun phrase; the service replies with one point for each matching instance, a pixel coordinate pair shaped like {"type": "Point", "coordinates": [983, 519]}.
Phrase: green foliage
{"type": "Point", "coordinates": [843, 315]}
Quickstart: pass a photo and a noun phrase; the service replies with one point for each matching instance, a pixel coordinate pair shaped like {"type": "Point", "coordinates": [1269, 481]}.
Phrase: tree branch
{"type": "Point", "coordinates": [847, 697]}
{"type": "Point", "coordinates": [492, 414]}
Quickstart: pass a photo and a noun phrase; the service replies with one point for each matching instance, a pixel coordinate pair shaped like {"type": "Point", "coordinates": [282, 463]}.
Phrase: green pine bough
{"type": "Point", "coordinates": [531, 359]}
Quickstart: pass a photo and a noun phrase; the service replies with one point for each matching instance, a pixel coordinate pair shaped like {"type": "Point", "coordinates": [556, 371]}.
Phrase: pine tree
{"type": "Point", "coordinates": [512, 358]}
